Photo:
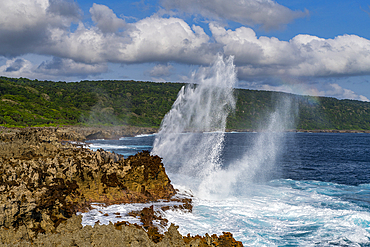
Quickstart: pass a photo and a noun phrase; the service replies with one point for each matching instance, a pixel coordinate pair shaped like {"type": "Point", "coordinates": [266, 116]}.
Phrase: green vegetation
{"type": "Point", "coordinates": [25, 102]}
{"type": "Point", "coordinates": [313, 113]}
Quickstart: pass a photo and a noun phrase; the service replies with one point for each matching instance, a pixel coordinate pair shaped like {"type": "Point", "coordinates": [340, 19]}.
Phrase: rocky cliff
{"type": "Point", "coordinates": [45, 181]}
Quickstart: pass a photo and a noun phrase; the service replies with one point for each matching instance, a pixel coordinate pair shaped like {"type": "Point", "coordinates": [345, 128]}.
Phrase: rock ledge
{"type": "Point", "coordinates": [45, 181]}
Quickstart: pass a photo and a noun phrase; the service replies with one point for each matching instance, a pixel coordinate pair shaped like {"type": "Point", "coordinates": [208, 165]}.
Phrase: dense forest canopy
{"type": "Point", "coordinates": [25, 102]}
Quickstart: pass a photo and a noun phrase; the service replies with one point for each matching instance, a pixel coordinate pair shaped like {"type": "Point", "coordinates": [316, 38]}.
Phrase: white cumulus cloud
{"type": "Point", "coordinates": [17, 67]}
{"type": "Point", "coordinates": [43, 27]}
{"type": "Point", "coordinates": [25, 24]}
{"type": "Point", "coordinates": [161, 70]}
{"type": "Point", "coordinates": [167, 39]}
{"type": "Point", "coordinates": [267, 13]}
{"type": "Point", "coordinates": [106, 20]}
{"type": "Point", "coordinates": [314, 89]}
{"type": "Point", "coordinates": [68, 67]}
{"type": "Point", "coordinates": [153, 39]}
{"type": "Point", "coordinates": [334, 90]}
{"type": "Point", "coordinates": [304, 55]}
{"type": "Point", "coordinates": [53, 69]}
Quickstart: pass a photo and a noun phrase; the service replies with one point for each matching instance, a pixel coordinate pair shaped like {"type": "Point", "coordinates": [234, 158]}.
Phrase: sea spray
{"type": "Point", "coordinates": [192, 135]}
{"type": "Point", "coordinates": [256, 164]}
{"type": "Point", "coordinates": [202, 106]}
{"type": "Point", "coordinates": [308, 209]}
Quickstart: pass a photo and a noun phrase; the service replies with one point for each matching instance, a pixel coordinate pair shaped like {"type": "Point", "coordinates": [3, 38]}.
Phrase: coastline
{"type": "Point", "coordinates": [83, 133]}
{"type": "Point", "coordinates": [304, 131]}
{"type": "Point", "coordinates": [45, 181]}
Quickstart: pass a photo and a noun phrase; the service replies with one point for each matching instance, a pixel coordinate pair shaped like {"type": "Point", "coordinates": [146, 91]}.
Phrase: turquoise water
{"type": "Point", "coordinates": [316, 192]}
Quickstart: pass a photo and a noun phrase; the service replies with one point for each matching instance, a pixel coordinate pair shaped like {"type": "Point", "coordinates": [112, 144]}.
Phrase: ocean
{"type": "Point", "coordinates": [271, 188]}
{"type": "Point", "coordinates": [267, 189]}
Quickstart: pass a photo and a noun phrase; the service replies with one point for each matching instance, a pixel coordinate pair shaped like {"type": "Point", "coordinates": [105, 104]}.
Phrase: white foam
{"type": "Point", "coordinates": [119, 212]}
{"type": "Point", "coordinates": [214, 132]}
{"type": "Point", "coordinates": [278, 216]}
{"type": "Point", "coordinates": [145, 135]}
{"type": "Point", "coordinates": [96, 146]}
{"type": "Point", "coordinates": [137, 136]}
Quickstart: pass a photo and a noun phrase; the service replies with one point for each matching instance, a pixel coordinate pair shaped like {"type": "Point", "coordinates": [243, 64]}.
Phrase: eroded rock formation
{"type": "Point", "coordinates": [45, 181]}
{"type": "Point", "coordinates": [71, 233]}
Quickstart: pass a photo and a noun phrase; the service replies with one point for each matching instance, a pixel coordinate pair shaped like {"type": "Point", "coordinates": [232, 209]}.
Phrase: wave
{"type": "Point", "coordinates": [278, 213]}
{"type": "Point", "coordinates": [107, 146]}
{"type": "Point", "coordinates": [95, 146]}
{"type": "Point", "coordinates": [119, 212]}
{"type": "Point", "coordinates": [285, 212]}
{"type": "Point", "coordinates": [146, 135]}
{"type": "Point", "coordinates": [135, 137]}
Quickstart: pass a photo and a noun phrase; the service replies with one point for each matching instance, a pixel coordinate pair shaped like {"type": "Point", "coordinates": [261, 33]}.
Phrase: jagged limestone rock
{"type": "Point", "coordinates": [71, 233]}
{"type": "Point", "coordinates": [44, 181]}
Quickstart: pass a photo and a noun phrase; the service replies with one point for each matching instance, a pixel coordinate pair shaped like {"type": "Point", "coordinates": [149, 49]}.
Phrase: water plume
{"type": "Point", "coordinates": [192, 136]}
{"type": "Point", "coordinates": [202, 106]}
{"type": "Point", "coordinates": [256, 164]}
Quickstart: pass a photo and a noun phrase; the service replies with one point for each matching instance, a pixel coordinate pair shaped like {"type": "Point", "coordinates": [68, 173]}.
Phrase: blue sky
{"type": "Point", "coordinates": [303, 47]}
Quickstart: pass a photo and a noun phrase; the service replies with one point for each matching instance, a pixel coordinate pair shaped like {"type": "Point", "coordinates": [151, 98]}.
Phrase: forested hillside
{"type": "Point", "coordinates": [30, 102]}
{"type": "Point", "coordinates": [26, 102]}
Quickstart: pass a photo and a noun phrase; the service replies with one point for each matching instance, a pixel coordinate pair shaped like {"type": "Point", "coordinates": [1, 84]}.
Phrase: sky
{"type": "Point", "coordinates": [319, 48]}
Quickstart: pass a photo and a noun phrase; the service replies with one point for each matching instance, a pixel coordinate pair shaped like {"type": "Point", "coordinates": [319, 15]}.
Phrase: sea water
{"type": "Point", "coordinates": [317, 193]}
{"type": "Point", "coordinates": [270, 188]}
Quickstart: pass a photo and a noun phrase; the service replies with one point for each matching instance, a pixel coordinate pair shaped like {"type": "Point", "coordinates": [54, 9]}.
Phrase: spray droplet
{"type": "Point", "coordinates": [200, 107]}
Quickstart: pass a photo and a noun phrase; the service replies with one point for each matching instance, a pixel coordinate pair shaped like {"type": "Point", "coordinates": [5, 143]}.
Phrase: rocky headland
{"type": "Point", "coordinates": [45, 181]}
